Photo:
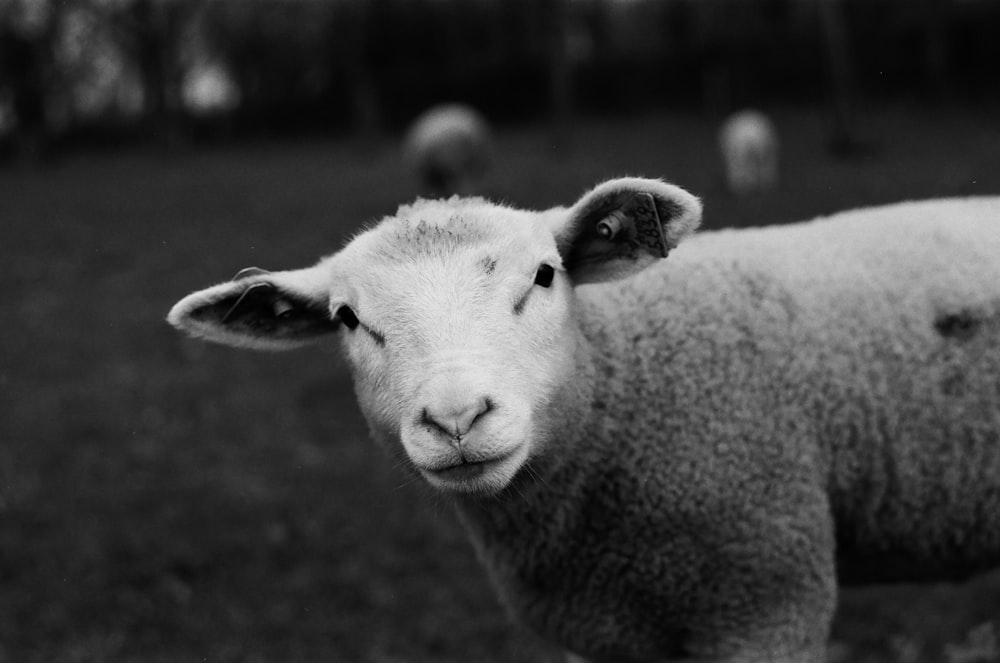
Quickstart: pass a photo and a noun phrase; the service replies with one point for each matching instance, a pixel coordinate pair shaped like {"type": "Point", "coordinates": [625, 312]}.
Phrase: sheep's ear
{"type": "Point", "coordinates": [622, 226]}
{"type": "Point", "coordinates": [260, 309]}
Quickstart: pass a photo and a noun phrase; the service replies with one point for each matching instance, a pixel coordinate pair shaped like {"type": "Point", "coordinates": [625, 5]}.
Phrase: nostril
{"type": "Point", "coordinates": [431, 421]}
{"type": "Point", "coordinates": [455, 420]}
{"type": "Point", "coordinates": [481, 407]}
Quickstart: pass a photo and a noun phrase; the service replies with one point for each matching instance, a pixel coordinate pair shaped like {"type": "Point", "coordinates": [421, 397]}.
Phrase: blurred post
{"type": "Point", "coordinates": [560, 73]}
{"type": "Point", "coordinates": [147, 23]}
{"type": "Point", "coordinates": [153, 29]}
{"type": "Point", "coordinates": [835, 42]}
{"type": "Point", "coordinates": [26, 35]}
{"type": "Point", "coordinates": [936, 20]}
{"type": "Point", "coordinates": [354, 36]}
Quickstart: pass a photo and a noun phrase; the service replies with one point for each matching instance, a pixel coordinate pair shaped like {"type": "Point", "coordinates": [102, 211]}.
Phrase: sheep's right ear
{"type": "Point", "coordinates": [621, 227]}
{"type": "Point", "coordinates": [260, 310]}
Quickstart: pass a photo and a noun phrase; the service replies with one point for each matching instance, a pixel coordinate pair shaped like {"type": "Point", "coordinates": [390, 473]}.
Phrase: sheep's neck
{"type": "Point", "coordinates": [544, 506]}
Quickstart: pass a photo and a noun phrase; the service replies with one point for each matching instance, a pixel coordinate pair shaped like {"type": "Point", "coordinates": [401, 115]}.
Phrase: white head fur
{"type": "Point", "coordinates": [456, 317]}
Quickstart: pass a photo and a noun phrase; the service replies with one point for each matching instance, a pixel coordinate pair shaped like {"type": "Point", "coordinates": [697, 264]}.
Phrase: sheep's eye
{"type": "Point", "coordinates": [347, 316]}
{"type": "Point", "coordinates": [544, 275]}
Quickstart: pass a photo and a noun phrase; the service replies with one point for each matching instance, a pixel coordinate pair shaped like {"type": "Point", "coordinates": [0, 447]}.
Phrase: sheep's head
{"type": "Point", "coordinates": [456, 317]}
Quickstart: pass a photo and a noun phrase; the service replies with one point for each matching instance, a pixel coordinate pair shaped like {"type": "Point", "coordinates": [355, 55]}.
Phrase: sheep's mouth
{"type": "Point", "coordinates": [465, 470]}
{"type": "Point", "coordinates": [473, 476]}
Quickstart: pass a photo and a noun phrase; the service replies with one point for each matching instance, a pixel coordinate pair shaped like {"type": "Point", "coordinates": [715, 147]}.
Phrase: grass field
{"type": "Point", "coordinates": [163, 500]}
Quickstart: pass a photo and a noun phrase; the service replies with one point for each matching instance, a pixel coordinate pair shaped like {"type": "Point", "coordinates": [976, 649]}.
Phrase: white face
{"type": "Point", "coordinates": [456, 317]}
{"type": "Point", "coordinates": [459, 348]}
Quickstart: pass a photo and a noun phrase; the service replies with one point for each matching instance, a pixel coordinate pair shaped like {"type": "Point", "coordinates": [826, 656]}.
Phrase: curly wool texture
{"type": "Point", "coordinates": [755, 402]}
{"type": "Point", "coordinates": [683, 463]}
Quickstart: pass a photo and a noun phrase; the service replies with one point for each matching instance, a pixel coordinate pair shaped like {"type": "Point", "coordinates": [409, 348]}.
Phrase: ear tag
{"type": "Point", "coordinates": [248, 272]}
{"type": "Point", "coordinates": [648, 228]}
{"type": "Point", "coordinates": [610, 226]}
{"type": "Point", "coordinates": [256, 288]}
{"type": "Point", "coordinates": [637, 223]}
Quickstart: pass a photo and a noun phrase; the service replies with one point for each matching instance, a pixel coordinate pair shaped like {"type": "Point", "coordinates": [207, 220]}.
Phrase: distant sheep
{"type": "Point", "coordinates": [449, 148]}
{"type": "Point", "coordinates": [748, 142]}
{"type": "Point", "coordinates": [680, 460]}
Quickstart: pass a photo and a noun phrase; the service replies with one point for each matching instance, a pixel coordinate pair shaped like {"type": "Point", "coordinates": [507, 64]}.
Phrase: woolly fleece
{"type": "Point", "coordinates": [762, 415]}
{"type": "Point", "coordinates": [763, 398]}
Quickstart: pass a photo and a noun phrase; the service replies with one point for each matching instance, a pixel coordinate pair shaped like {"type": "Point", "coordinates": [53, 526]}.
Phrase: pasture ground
{"type": "Point", "coordinates": [166, 501]}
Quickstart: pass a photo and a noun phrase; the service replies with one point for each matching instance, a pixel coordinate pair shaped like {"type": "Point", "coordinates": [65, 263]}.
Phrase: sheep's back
{"type": "Point", "coordinates": [861, 352]}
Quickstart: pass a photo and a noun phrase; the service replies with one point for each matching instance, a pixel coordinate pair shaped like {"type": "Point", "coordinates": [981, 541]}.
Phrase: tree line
{"type": "Point", "coordinates": [169, 70]}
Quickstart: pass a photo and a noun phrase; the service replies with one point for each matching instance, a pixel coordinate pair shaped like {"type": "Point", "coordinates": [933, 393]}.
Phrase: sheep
{"type": "Point", "coordinates": [671, 459]}
{"type": "Point", "coordinates": [449, 149]}
{"type": "Point", "coordinates": [748, 142]}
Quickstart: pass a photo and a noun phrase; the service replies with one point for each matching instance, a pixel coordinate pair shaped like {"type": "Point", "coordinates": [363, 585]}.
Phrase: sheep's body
{"type": "Point", "coordinates": [707, 444]}
{"type": "Point", "coordinates": [748, 142]}
{"type": "Point", "coordinates": [449, 148]}
{"type": "Point", "coordinates": [756, 395]}
{"type": "Point", "coordinates": [875, 336]}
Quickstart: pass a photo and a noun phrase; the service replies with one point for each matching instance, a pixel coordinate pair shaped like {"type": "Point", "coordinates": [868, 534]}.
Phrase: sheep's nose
{"type": "Point", "coordinates": [456, 418]}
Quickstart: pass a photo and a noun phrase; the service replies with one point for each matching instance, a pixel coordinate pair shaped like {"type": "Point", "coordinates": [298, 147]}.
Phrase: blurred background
{"type": "Point", "coordinates": [164, 500]}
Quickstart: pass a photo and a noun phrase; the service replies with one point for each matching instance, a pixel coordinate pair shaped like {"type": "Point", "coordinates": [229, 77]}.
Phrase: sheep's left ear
{"type": "Point", "coordinates": [260, 310]}
{"type": "Point", "coordinates": [622, 226]}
